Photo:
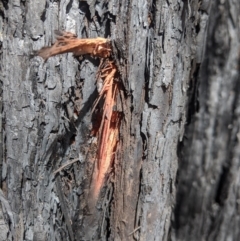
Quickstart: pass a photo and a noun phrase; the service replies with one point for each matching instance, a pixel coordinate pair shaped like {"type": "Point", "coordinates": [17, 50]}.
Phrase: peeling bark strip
{"type": "Point", "coordinates": [68, 42]}
{"type": "Point", "coordinates": [108, 130]}
{"type": "Point", "coordinates": [110, 122]}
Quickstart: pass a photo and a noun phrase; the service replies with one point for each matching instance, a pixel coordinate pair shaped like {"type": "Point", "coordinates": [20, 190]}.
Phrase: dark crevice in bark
{"type": "Point", "coordinates": [144, 143]}
{"type": "Point", "coordinates": [112, 18]}
{"type": "Point", "coordinates": [183, 18]}
{"type": "Point", "coordinates": [5, 4]}
{"type": "Point", "coordinates": [152, 15]}
{"type": "Point", "coordinates": [137, 221]}
{"type": "Point", "coordinates": [222, 189]}
{"type": "Point", "coordinates": [84, 7]}
{"type": "Point", "coordinates": [146, 72]}
{"type": "Point", "coordinates": [108, 207]}
{"type": "Point", "coordinates": [43, 16]}
{"type": "Point", "coordinates": [69, 6]}
{"type": "Point", "coordinates": [107, 29]}
{"type": "Point", "coordinates": [193, 93]}
{"type": "Point", "coordinates": [182, 165]}
{"type": "Point", "coordinates": [197, 28]}
{"type": "Point", "coordinates": [163, 38]}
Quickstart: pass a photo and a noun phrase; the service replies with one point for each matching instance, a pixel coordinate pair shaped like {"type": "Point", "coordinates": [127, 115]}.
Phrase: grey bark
{"type": "Point", "coordinates": [208, 194]}
{"type": "Point", "coordinates": [47, 121]}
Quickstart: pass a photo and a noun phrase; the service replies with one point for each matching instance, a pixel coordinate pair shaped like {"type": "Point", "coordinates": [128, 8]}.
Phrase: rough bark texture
{"type": "Point", "coordinates": [47, 122]}
{"type": "Point", "coordinates": [208, 194]}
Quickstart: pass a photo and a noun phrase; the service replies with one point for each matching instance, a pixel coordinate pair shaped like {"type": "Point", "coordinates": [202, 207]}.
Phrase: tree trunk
{"type": "Point", "coordinates": [48, 146]}
{"type": "Point", "coordinates": [208, 194]}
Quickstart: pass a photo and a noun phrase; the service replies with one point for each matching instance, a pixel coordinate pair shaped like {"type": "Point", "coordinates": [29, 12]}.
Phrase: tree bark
{"type": "Point", "coordinates": [168, 80]}
{"type": "Point", "coordinates": [208, 194]}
